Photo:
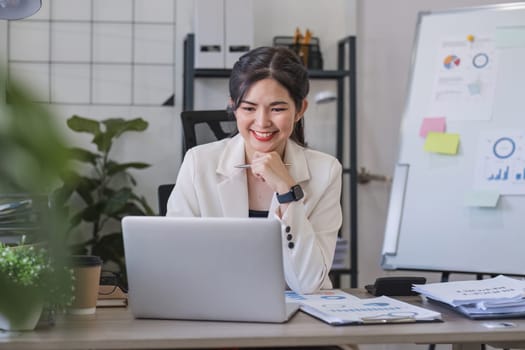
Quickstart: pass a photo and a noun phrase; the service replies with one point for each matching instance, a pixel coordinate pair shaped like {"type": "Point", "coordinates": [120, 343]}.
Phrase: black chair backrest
{"type": "Point", "coordinates": [205, 126]}
{"type": "Point", "coordinates": [163, 193]}
{"type": "Point", "coordinates": [198, 127]}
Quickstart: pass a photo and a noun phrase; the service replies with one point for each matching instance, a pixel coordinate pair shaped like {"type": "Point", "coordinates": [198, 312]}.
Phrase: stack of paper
{"type": "Point", "coordinates": [498, 297]}
{"type": "Point", "coordinates": [339, 308]}
{"type": "Point", "coordinates": [111, 296]}
{"type": "Point", "coordinates": [17, 216]}
{"type": "Point", "coordinates": [16, 213]}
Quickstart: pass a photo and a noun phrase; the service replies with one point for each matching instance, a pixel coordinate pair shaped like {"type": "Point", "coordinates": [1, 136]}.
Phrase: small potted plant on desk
{"type": "Point", "coordinates": [32, 156]}
{"type": "Point", "coordinates": [31, 281]}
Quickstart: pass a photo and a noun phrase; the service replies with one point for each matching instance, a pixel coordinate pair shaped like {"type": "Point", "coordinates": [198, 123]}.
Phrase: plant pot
{"type": "Point", "coordinates": [21, 311]}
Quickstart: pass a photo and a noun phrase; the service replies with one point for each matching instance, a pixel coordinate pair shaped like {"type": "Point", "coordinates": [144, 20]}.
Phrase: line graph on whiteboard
{"type": "Point", "coordinates": [501, 162]}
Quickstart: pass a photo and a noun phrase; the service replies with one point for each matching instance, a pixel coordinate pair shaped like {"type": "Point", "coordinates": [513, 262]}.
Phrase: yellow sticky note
{"type": "Point", "coordinates": [441, 142]}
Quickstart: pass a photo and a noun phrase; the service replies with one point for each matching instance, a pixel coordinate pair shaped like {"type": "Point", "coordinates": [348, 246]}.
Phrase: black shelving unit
{"type": "Point", "coordinates": [345, 74]}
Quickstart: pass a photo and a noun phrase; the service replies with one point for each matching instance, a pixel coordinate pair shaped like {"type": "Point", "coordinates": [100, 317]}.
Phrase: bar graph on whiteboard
{"type": "Point", "coordinates": [501, 162]}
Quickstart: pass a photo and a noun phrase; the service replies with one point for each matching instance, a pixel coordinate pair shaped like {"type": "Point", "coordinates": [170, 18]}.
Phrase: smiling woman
{"type": "Point", "coordinates": [285, 181]}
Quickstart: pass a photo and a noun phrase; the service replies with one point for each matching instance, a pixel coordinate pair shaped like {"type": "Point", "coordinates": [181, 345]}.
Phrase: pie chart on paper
{"type": "Point", "coordinates": [451, 61]}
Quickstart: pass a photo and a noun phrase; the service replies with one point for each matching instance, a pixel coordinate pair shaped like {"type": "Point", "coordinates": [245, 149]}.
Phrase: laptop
{"type": "Point", "coordinates": [216, 269]}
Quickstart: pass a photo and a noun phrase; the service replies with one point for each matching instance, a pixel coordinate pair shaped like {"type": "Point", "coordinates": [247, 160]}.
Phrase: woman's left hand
{"type": "Point", "coordinates": [270, 168]}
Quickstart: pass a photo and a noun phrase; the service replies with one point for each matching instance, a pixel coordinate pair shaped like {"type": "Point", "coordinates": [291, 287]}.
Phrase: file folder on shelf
{"type": "Point", "coordinates": [209, 34]}
{"type": "Point", "coordinates": [238, 30]}
{"type": "Point", "coordinates": [223, 32]}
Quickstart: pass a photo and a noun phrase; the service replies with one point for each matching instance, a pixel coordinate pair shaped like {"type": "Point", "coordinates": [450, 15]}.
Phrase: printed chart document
{"type": "Point", "coordinates": [336, 307]}
{"type": "Point", "coordinates": [498, 297]}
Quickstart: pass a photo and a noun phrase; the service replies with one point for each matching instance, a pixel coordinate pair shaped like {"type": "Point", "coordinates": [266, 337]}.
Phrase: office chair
{"type": "Point", "coordinates": [198, 127]}
{"type": "Point", "coordinates": [163, 193]}
{"type": "Point", "coordinates": [201, 127]}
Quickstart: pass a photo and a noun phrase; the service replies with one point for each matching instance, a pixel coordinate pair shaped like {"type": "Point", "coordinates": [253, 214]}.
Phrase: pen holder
{"type": "Point", "coordinates": [310, 53]}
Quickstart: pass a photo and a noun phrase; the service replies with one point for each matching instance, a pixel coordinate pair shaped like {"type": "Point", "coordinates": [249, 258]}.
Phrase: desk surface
{"type": "Point", "coordinates": [115, 328]}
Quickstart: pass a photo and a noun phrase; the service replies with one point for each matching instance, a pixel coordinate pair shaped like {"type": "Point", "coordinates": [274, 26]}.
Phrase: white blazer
{"type": "Point", "coordinates": [208, 184]}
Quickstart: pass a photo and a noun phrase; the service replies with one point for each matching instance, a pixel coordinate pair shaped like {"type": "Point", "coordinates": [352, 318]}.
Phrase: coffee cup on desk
{"type": "Point", "coordinates": [86, 269]}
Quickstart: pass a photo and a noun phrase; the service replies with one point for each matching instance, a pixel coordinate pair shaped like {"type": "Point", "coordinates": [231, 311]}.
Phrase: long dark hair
{"type": "Point", "coordinates": [278, 63]}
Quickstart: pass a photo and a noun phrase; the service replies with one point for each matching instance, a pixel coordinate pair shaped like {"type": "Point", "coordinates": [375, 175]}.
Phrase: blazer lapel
{"type": "Point", "coordinates": [294, 155]}
{"type": "Point", "coordinates": [233, 189]}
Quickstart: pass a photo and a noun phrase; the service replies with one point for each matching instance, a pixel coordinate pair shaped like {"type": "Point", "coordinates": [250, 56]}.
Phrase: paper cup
{"type": "Point", "coordinates": [86, 269]}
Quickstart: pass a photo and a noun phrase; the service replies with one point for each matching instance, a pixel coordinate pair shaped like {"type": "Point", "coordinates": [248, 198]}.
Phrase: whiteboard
{"type": "Point", "coordinates": [459, 206]}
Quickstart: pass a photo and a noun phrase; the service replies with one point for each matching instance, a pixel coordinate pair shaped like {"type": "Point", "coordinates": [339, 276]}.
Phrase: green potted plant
{"type": "Point", "coordinates": [100, 192]}
{"type": "Point", "coordinates": [30, 280]}
{"type": "Point", "coordinates": [33, 154]}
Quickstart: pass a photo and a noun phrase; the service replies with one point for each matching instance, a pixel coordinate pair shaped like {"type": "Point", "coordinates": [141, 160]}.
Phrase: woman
{"type": "Point", "coordinates": [284, 181]}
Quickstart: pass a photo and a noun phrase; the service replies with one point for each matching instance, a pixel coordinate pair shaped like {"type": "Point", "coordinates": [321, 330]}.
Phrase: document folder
{"type": "Point", "coordinates": [339, 308]}
{"type": "Point", "coordinates": [498, 297]}
{"type": "Point", "coordinates": [209, 34]}
{"type": "Point", "coordinates": [472, 313]}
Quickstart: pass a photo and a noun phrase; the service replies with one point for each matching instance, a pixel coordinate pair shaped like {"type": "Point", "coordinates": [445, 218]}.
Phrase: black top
{"type": "Point", "coordinates": [257, 213]}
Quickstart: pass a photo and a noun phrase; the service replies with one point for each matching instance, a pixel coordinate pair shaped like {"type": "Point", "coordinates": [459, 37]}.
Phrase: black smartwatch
{"type": "Point", "coordinates": [295, 194]}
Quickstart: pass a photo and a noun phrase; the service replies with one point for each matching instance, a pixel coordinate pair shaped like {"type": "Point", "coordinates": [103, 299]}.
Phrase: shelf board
{"type": "Point", "coordinates": [211, 73]}
{"type": "Point", "coordinates": [328, 74]}
{"type": "Point", "coordinates": [225, 73]}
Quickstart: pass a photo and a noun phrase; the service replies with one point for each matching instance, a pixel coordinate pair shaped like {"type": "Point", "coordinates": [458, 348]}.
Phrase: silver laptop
{"type": "Point", "coordinates": [223, 269]}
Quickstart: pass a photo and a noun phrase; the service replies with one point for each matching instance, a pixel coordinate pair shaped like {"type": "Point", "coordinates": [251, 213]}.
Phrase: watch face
{"type": "Point", "coordinates": [297, 192]}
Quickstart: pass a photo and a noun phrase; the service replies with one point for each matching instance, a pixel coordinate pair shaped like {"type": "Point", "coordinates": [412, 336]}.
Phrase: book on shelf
{"type": "Point", "coordinates": [498, 297]}
{"type": "Point", "coordinates": [14, 205]}
{"type": "Point", "coordinates": [17, 214]}
{"type": "Point", "coordinates": [336, 307]}
{"type": "Point", "coordinates": [111, 296]}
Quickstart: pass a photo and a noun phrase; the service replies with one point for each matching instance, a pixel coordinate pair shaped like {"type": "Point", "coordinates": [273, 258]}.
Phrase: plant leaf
{"type": "Point", "coordinates": [130, 208]}
{"type": "Point", "coordinates": [82, 124]}
{"type": "Point", "coordinates": [114, 167]}
{"type": "Point", "coordinates": [146, 208]}
{"type": "Point", "coordinates": [75, 220]}
{"type": "Point", "coordinates": [117, 201]}
{"type": "Point", "coordinates": [83, 155]}
{"type": "Point", "coordinates": [110, 247]}
{"type": "Point", "coordinates": [117, 126]}
{"type": "Point", "coordinates": [85, 188]}
{"type": "Point", "coordinates": [92, 213]}
{"type": "Point", "coordinates": [103, 141]}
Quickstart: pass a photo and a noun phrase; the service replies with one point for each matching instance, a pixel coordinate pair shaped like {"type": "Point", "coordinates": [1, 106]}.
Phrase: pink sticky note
{"type": "Point", "coordinates": [436, 124]}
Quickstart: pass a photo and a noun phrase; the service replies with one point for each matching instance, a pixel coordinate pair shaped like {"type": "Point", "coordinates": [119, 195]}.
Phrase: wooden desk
{"type": "Point", "coordinates": [115, 328]}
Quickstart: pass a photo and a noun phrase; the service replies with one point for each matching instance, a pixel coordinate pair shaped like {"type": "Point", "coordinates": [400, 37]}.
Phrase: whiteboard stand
{"type": "Point", "coordinates": [466, 69]}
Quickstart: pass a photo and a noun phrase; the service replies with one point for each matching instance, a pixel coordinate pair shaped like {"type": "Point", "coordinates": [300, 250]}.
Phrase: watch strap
{"type": "Point", "coordinates": [295, 194]}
